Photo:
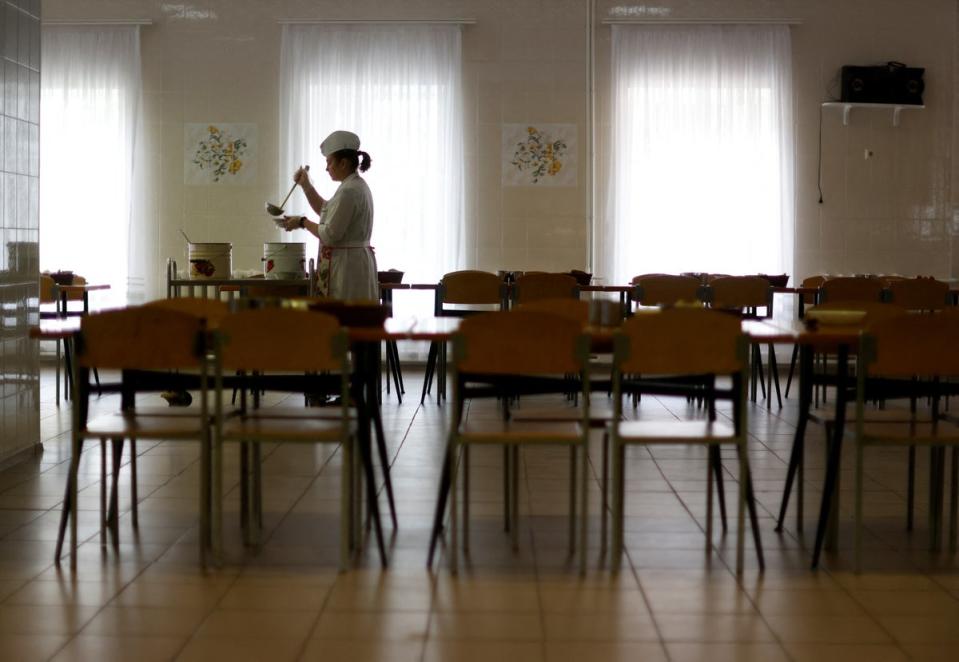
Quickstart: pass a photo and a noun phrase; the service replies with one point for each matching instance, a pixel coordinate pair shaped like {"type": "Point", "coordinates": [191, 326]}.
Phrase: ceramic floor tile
{"type": "Point", "coordinates": [502, 651]}
{"type": "Point", "coordinates": [268, 624]}
{"type": "Point", "coordinates": [149, 594]}
{"type": "Point", "coordinates": [570, 651]}
{"type": "Point", "coordinates": [930, 652]}
{"type": "Point", "coordinates": [265, 595]}
{"type": "Point", "coordinates": [928, 628]}
{"type": "Point", "coordinates": [625, 625]}
{"type": "Point", "coordinates": [715, 628]}
{"type": "Point", "coordinates": [825, 628]}
{"type": "Point", "coordinates": [146, 621]}
{"type": "Point", "coordinates": [455, 594]}
{"type": "Point", "coordinates": [334, 650]}
{"type": "Point", "coordinates": [722, 598]}
{"type": "Point", "coordinates": [719, 652]}
{"type": "Point", "coordinates": [30, 647]}
{"type": "Point", "coordinates": [86, 647]}
{"type": "Point", "coordinates": [240, 649]}
{"type": "Point", "coordinates": [90, 594]}
{"type": "Point", "coordinates": [403, 626]}
{"type": "Point", "coordinates": [799, 603]}
{"type": "Point", "coordinates": [495, 626]}
{"type": "Point", "coordinates": [592, 600]}
{"type": "Point", "coordinates": [845, 653]}
{"type": "Point", "coordinates": [44, 619]}
{"type": "Point", "coordinates": [907, 603]}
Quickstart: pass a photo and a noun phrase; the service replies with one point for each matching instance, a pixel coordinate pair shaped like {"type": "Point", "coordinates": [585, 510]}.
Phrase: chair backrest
{"type": "Point", "coordinates": [858, 288]}
{"type": "Point", "coordinates": [664, 290]}
{"type": "Point", "coordinates": [680, 341]}
{"type": "Point", "coordinates": [47, 286]}
{"type": "Point", "coordinates": [918, 293]}
{"type": "Point", "coordinates": [520, 343]}
{"type": "Point", "coordinates": [211, 310]}
{"type": "Point", "coordinates": [141, 338]}
{"type": "Point", "coordinates": [470, 287]}
{"type": "Point", "coordinates": [741, 292]}
{"type": "Point", "coordinates": [913, 346]}
{"type": "Point", "coordinates": [258, 339]}
{"type": "Point", "coordinates": [571, 309]}
{"type": "Point", "coordinates": [76, 296]}
{"type": "Point", "coordinates": [811, 282]}
{"type": "Point", "coordinates": [533, 286]}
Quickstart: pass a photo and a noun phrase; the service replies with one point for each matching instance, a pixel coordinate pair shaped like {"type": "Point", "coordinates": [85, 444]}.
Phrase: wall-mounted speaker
{"type": "Point", "coordinates": [891, 83]}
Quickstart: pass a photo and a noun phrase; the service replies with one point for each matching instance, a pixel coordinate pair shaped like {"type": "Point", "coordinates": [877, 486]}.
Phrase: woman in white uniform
{"type": "Point", "coordinates": [346, 268]}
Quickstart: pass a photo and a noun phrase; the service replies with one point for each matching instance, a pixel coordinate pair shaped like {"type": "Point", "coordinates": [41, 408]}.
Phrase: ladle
{"type": "Point", "coordinates": [273, 210]}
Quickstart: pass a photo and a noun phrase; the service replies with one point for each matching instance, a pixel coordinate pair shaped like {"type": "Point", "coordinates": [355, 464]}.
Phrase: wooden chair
{"type": "Point", "coordinates": [918, 294]}
{"type": "Point", "coordinates": [246, 343]}
{"type": "Point", "coordinates": [665, 290]}
{"type": "Point", "coordinates": [532, 286]}
{"type": "Point", "coordinates": [505, 354]}
{"type": "Point", "coordinates": [460, 294]}
{"type": "Point", "coordinates": [922, 350]}
{"type": "Point", "coordinates": [599, 417]}
{"type": "Point", "coordinates": [675, 342]}
{"type": "Point", "coordinates": [744, 296]}
{"type": "Point", "coordinates": [145, 344]}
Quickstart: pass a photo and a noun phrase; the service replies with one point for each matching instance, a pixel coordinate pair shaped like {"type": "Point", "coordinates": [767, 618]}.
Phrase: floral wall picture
{"type": "Point", "coordinates": [217, 154]}
{"type": "Point", "coordinates": [539, 155]}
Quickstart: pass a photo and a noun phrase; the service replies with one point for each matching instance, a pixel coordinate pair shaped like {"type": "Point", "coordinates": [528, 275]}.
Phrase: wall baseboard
{"type": "Point", "coordinates": [21, 456]}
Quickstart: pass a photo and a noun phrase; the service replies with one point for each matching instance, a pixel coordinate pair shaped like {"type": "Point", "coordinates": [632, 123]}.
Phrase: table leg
{"type": "Point", "coordinates": [828, 519]}
{"type": "Point", "coordinates": [364, 405]}
{"type": "Point", "coordinates": [795, 459]}
{"type": "Point", "coordinates": [440, 508]}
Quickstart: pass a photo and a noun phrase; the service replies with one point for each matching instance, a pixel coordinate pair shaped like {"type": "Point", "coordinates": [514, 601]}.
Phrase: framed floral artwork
{"type": "Point", "coordinates": [539, 155]}
{"type": "Point", "coordinates": [217, 154]}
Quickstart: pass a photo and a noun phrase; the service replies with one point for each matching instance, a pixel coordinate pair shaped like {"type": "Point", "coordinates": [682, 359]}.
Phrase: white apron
{"type": "Point", "coordinates": [346, 267]}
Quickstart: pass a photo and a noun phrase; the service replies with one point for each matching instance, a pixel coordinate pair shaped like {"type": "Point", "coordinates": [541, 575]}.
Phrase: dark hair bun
{"type": "Point", "coordinates": [365, 161]}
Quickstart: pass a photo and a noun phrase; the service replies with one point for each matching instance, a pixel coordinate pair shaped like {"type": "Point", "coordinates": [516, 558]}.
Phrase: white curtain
{"type": "Point", "coordinates": [90, 119]}
{"type": "Point", "coordinates": [701, 152]}
{"type": "Point", "coordinates": [399, 88]}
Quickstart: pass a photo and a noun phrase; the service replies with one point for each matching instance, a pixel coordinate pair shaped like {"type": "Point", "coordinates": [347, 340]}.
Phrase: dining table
{"type": "Point", "coordinates": [65, 292]}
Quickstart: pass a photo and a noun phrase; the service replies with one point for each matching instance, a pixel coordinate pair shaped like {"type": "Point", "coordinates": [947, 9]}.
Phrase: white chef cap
{"type": "Point", "coordinates": [339, 140]}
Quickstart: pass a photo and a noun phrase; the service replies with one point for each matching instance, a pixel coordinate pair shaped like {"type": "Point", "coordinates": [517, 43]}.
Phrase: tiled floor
{"type": "Point", "coordinates": [672, 601]}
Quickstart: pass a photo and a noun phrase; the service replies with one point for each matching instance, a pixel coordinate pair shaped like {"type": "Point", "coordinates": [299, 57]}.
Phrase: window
{"type": "Point", "coordinates": [701, 145]}
{"type": "Point", "coordinates": [399, 88]}
{"type": "Point", "coordinates": [89, 113]}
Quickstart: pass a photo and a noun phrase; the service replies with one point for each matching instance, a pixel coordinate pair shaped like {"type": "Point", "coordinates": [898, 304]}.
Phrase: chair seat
{"type": "Point", "coordinates": [909, 433]}
{"type": "Point", "coordinates": [325, 413]}
{"type": "Point", "coordinates": [494, 431]}
{"type": "Point", "coordinates": [671, 432]}
{"type": "Point", "coordinates": [146, 426]}
{"type": "Point", "coordinates": [166, 410]}
{"type": "Point", "coordinates": [893, 414]}
{"type": "Point", "coordinates": [597, 419]}
{"type": "Point", "coordinates": [256, 427]}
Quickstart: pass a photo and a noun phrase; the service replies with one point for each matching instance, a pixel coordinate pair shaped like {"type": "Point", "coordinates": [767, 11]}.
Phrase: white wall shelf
{"type": "Point", "coordinates": [847, 107]}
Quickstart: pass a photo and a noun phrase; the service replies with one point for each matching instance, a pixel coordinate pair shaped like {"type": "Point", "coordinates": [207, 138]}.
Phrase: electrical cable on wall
{"type": "Point", "coordinates": [832, 89]}
{"type": "Point", "coordinates": [819, 172]}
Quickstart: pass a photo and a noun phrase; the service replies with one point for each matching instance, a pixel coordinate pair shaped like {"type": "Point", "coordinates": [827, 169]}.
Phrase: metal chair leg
{"type": "Point", "coordinates": [716, 465]}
